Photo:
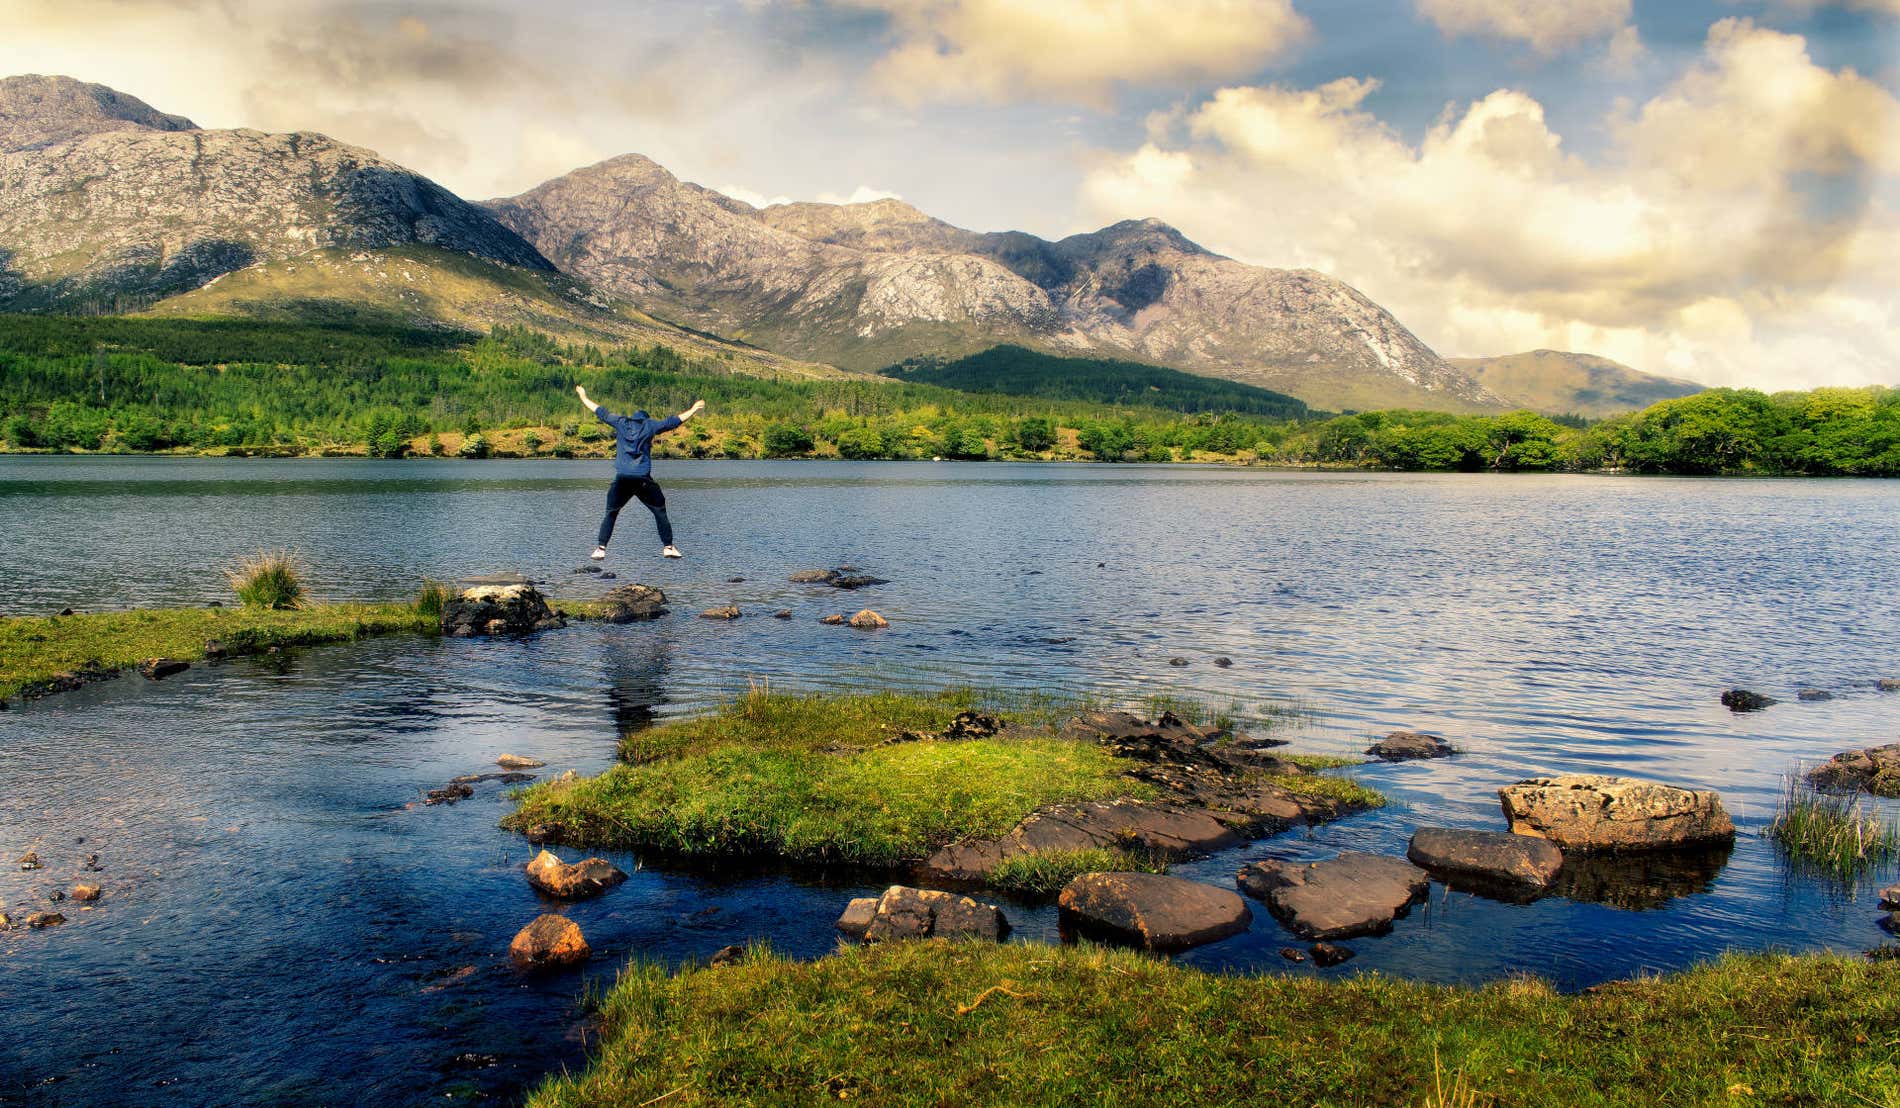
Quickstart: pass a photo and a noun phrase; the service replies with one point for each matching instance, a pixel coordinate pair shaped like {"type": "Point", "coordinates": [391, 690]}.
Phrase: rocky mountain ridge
{"type": "Point", "coordinates": [1560, 381]}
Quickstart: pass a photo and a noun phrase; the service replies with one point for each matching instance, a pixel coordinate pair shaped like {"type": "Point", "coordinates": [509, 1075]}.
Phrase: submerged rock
{"type": "Point", "coordinates": [39, 920]}
{"type": "Point", "coordinates": [157, 669]}
{"type": "Point", "coordinates": [1402, 746]}
{"type": "Point", "coordinates": [1813, 694]}
{"type": "Point", "coordinates": [1587, 811]}
{"type": "Point", "coordinates": [832, 620]}
{"type": "Point", "coordinates": [814, 577]}
{"type": "Point", "coordinates": [587, 877]}
{"type": "Point", "coordinates": [449, 793]}
{"type": "Point", "coordinates": [1331, 954]}
{"type": "Point", "coordinates": [1177, 662]}
{"type": "Point", "coordinates": [631, 603]}
{"type": "Point", "coordinates": [1888, 684]}
{"type": "Point", "coordinates": [1154, 910]}
{"type": "Point", "coordinates": [867, 620]}
{"type": "Point", "coordinates": [29, 861]}
{"type": "Point", "coordinates": [855, 581]}
{"type": "Point", "coordinates": [1353, 894]}
{"type": "Point", "coordinates": [517, 761]}
{"type": "Point", "coordinates": [730, 611]}
{"type": "Point", "coordinates": [782, 613]}
{"type": "Point", "coordinates": [907, 913]}
{"type": "Point", "coordinates": [513, 609]}
{"type": "Point", "coordinates": [85, 892]}
{"type": "Point", "coordinates": [1742, 700]}
{"type": "Point", "coordinates": [1486, 856]}
{"type": "Point", "coordinates": [1223, 661]}
{"type": "Point", "coordinates": [549, 942]}
{"type": "Point", "coordinates": [1293, 954]}
{"type": "Point", "coordinates": [1874, 770]}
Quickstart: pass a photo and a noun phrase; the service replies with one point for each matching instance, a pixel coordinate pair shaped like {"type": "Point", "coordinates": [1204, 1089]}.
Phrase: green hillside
{"type": "Point", "coordinates": [1019, 371]}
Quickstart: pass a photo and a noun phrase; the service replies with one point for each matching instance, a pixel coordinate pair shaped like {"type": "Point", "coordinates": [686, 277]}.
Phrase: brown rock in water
{"type": "Point", "coordinates": [1890, 897]}
{"type": "Point", "coordinates": [1293, 954]}
{"type": "Point", "coordinates": [1586, 811]}
{"type": "Point", "coordinates": [215, 651]}
{"type": "Point", "coordinates": [498, 609]}
{"type": "Point", "coordinates": [1874, 770]}
{"type": "Point", "coordinates": [1743, 700]}
{"type": "Point", "coordinates": [517, 761]}
{"type": "Point", "coordinates": [782, 613]}
{"type": "Point", "coordinates": [449, 793]}
{"type": "Point", "coordinates": [588, 877]}
{"type": "Point", "coordinates": [867, 620]}
{"type": "Point", "coordinates": [832, 621]}
{"type": "Point", "coordinates": [1486, 856]}
{"type": "Point", "coordinates": [727, 956]}
{"type": "Point", "coordinates": [814, 577]}
{"type": "Point", "coordinates": [631, 603]}
{"type": "Point", "coordinates": [1157, 911]}
{"type": "Point", "coordinates": [730, 611]}
{"type": "Point", "coordinates": [1813, 694]}
{"type": "Point", "coordinates": [1353, 894]}
{"type": "Point", "coordinates": [157, 669]}
{"type": "Point", "coordinates": [85, 892]}
{"type": "Point", "coordinates": [1331, 954]}
{"type": "Point", "coordinates": [1888, 684]}
{"type": "Point", "coordinates": [907, 913]}
{"type": "Point", "coordinates": [1402, 746]}
{"type": "Point", "coordinates": [29, 861]}
{"type": "Point", "coordinates": [39, 920]}
{"type": "Point", "coordinates": [549, 942]}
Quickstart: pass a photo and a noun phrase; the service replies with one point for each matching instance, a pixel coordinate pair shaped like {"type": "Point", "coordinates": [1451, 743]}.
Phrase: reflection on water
{"type": "Point", "coordinates": [284, 921]}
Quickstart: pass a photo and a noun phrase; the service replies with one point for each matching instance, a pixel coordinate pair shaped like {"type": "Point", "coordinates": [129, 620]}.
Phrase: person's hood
{"type": "Point", "coordinates": [641, 414]}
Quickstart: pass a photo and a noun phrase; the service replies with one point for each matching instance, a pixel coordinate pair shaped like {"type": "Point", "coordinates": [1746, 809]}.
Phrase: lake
{"type": "Point", "coordinates": [284, 922]}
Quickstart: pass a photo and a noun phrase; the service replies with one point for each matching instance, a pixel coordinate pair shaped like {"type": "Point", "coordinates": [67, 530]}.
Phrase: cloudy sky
{"type": "Point", "coordinates": [1706, 188]}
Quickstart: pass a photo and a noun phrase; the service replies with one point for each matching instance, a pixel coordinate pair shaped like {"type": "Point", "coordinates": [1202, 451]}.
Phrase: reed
{"type": "Point", "coordinates": [1831, 833]}
{"type": "Point", "coordinates": [272, 579]}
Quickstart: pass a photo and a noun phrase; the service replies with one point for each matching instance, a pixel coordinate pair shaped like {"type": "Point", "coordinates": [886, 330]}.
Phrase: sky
{"type": "Point", "coordinates": [1707, 189]}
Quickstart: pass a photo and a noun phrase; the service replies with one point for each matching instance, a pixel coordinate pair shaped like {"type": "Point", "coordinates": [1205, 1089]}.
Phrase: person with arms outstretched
{"type": "Point", "coordinates": [633, 468]}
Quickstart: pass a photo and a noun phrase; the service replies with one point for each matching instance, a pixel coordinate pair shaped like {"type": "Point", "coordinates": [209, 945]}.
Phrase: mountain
{"type": "Point", "coordinates": [1560, 382]}
{"type": "Point", "coordinates": [868, 285]}
{"type": "Point", "coordinates": [1018, 371]}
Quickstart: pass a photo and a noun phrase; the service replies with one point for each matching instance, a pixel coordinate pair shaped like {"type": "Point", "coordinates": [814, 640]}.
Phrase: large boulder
{"type": "Point", "coordinates": [587, 877]}
{"type": "Point", "coordinates": [1587, 811]}
{"type": "Point", "coordinates": [907, 913]}
{"type": "Point", "coordinates": [1486, 856]}
{"type": "Point", "coordinates": [1404, 746]}
{"type": "Point", "coordinates": [1875, 770]}
{"type": "Point", "coordinates": [630, 603]}
{"type": "Point", "coordinates": [1353, 894]}
{"type": "Point", "coordinates": [1157, 911]}
{"type": "Point", "coordinates": [549, 942]}
{"type": "Point", "coordinates": [517, 609]}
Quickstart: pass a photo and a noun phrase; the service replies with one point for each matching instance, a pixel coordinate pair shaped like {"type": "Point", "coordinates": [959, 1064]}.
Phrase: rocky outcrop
{"type": "Point", "coordinates": [1874, 770]}
{"type": "Point", "coordinates": [1353, 894]}
{"type": "Point", "coordinates": [631, 603]}
{"type": "Point", "coordinates": [1153, 910]}
{"type": "Point", "coordinates": [834, 620]}
{"type": "Point", "coordinates": [906, 913]}
{"type": "Point", "coordinates": [585, 878]}
{"type": "Point", "coordinates": [1403, 746]}
{"type": "Point", "coordinates": [1743, 700]}
{"type": "Point", "coordinates": [492, 610]}
{"type": "Point", "coordinates": [157, 669]}
{"type": "Point", "coordinates": [1485, 858]}
{"type": "Point", "coordinates": [1587, 812]}
{"type": "Point", "coordinates": [550, 942]}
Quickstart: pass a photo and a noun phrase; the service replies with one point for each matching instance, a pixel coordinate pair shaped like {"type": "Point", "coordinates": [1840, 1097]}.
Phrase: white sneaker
{"type": "Point", "coordinates": [600, 553]}
{"type": "Point", "coordinates": [671, 552]}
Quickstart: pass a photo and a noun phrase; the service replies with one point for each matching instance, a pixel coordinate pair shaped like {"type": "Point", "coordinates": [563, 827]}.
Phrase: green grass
{"type": "Point", "coordinates": [1831, 833]}
{"type": "Point", "coordinates": [965, 1023]}
{"type": "Point", "coordinates": [1041, 876]}
{"type": "Point", "coordinates": [431, 598]}
{"type": "Point", "coordinates": [35, 650]}
{"type": "Point", "coordinates": [1342, 789]}
{"type": "Point", "coordinates": [1322, 761]}
{"type": "Point", "coordinates": [272, 579]}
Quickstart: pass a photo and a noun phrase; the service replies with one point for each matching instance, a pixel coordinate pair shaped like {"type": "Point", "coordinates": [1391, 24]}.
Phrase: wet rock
{"type": "Point", "coordinates": [867, 620]}
{"type": "Point", "coordinates": [85, 892]}
{"type": "Point", "coordinates": [56, 895]}
{"type": "Point", "coordinates": [1888, 684]}
{"type": "Point", "coordinates": [517, 761]}
{"type": "Point", "coordinates": [1742, 700]}
{"type": "Point", "coordinates": [1223, 661]}
{"type": "Point", "coordinates": [6, 922]}
{"type": "Point", "coordinates": [65, 611]}
{"type": "Point", "coordinates": [832, 620]}
{"type": "Point", "coordinates": [587, 877]}
{"type": "Point", "coordinates": [586, 569]}
{"type": "Point", "coordinates": [1154, 910]}
{"type": "Point", "coordinates": [513, 609]}
{"type": "Point", "coordinates": [1177, 661]}
{"type": "Point", "coordinates": [1331, 954]}
{"type": "Point", "coordinates": [1813, 694]}
{"type": "Point", "coordinates": [1874, 770]}
{"type": "Point", "coordinates": [1890, 897]}
{"type": "Point", "coordinates": [1889, 923]}
{"type": "Point", "coordinates": [735, 580]}
{"type": "Point", "coordinates": [549, 942]}
{"type": "Point", "coordinates": [727, 956]}
{"type": "Point", "coordinates": [91, 864]}
{"type": "Point", "coordinates": [906, 913]}
{"type": "Point", "coordinates": [609, 576]}
{"type": "Point", "coordinates": [1640, 881]}
{"type": "Point", "coordinates": [29, 861]}
{"type": "Point", "coordinates": [858, 915]}
{"type": "Point", "coordinates": [1485, 856]}
{"type": "Point", "coordinates": [1293, 954]}
{"type": "Point", "coordinates": [782, 613]}
{"type": "Point", "coordinates": [157, 669]}
{"type": "Point", "coordinates": [1585, 811]}
{"type": "Point", "coordinates": [855, 581]}
{"type": "Point", "coordinates": [215, 650]}
{"type": "Point", "coordinates": [814, 577]}
{"type": "Point", "coordinates": [730, 611]}
{"type": "Point", "coordinates": [1403, 746]}
{"type": "Point", "coordinates": [40, 920]}
{"type": "Point", "coordinates": [449, 793]}
{"type": "Point", "coordinates": [1353, 894]}
{"type": "Point", "coordinates": [632, 603]}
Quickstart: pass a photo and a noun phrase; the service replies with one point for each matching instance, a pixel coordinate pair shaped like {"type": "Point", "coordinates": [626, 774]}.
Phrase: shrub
{"type": "Point", "coordinates": [787, 440]}
{"type": "Point", "coordinates": [532, 441]}
{"type": "Point", "coordinates": [272, 579]}
{"type": "Point", "coordinates": [1035, 434]}
{"type": "Point", "coordinates": [475, 447]}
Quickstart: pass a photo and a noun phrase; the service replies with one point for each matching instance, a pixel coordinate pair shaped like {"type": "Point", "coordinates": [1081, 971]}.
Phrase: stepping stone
{"type": "Point", "coordinates": [907, 913]}
{"type": "Point", "coordinates": [588, 877]}
{"type": "Point", "coordinates": [549, 942]}
{"type": "Point", "coordinates": [1486, 855]}
{"type": "Point", "coordinates": [1154, 910]}
{"type": "Point", "coordinates": [1404, 746]}
{"type": "Point", "coordinates": [1353, 894]}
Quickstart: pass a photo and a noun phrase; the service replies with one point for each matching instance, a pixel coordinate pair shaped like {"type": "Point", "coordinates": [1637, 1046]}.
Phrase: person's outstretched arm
{"type": "Point", "coordinates": [581, 391]}
{"type": "Point", "coordinates": [669, 424]}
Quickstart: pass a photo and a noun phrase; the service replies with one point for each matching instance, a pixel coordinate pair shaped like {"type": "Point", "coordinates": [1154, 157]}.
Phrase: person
{"type": "Point", "coordinates": [633, 469]}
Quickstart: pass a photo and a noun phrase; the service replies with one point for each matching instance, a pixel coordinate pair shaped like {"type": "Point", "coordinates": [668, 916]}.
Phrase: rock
{"type": "Point", "coordinates": [516, 761]}
{"type": "Point", "coordinates": [29, 861]}
{"type": "Point", "coordinates": [39, 920]}
{"type": "Point", "coordinates": [449, 793]}
{"type": "Point", "coordinates": [1353, 894]}
{"type": "Point", "coordinates": [215, 604]}
{"type": "Point", "coordinates": [511, 609]}
{"type": "Point", "coordinates": [730, 611]}
{"type": "Point", "coordinates": [6, 922]}
{"type": "Point", "coordinates": [814, 576]}
{"type": "Point", "coordinates": [1223, 661]}
{"type": "Point", "coordinates": [1874, 770]}
{"type": "Point", "coordinates": [215, 650]}
{"type": "Point", "coordinates": [549, 942]}
{"type": "Point", "coordinates": [832, 621]}
{"type": "Point", "coordinates": [1487, 856]}
{"type": "Point", "coordinates": [609, 576]}
{"type": "Point", "coordinates": [157, 669]}
{"type": "Point", "coordinates": [586, 569]}
{"type": "Point", "coordinates": [1890, 897]}
{"type": "Point", "coordinates": [1742, 700]}
{"type": "Point", "coordinates": [1402, 746]}
{"type": "Point", "coordinates": [1177, 661]}
{"type": "Point", "coordinates": [538, 833]}
{"type": "Point", "coordinates": [85, 892]}
{"type": "Point", "coordinates": [855, 581]}
{"type": "Point", "coordinates": [1157, 911]}
{"type": "Point", "coordinates": [56, 896]}
{"type": "Point", "coordinates": [65, 611]}
{"type": "Point", "coordinates": [1293, 954]}
{"type": "Point", "coordinates": [907, 913]}
{"type": "Point", "coordinates": [1584, 811]}
{"type": "Point", "coordinates": [1889, 923]}
{"type": "Point", "coordinates": [867, 620]}
{"type": "Point", "coordinates": [727, 956]}
{"type": "Point", "coordinates": [587, 877]}
{"type": "Point", "coordinates": [92, 863]}
{"type": "Point", "coordinates": [1331, 954]}
{"type": "Point", "coordinates": [782, 613]}
{"type": "Point", "coordinates": [735, 580]}
{"type": "Point", "coordinates": [631, 603]}
{"type": "Point", "coordinates": [1888, 684]}
{"type": "Point", "coordinates": [1814, 694]}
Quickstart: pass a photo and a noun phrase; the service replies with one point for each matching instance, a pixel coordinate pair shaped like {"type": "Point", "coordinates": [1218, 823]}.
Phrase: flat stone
{"type": "Point", "coordinates": [782, 613]}
{"type": "Point", "coordinates": [1353, 894]}
{"type": "Point", "coordinates": [903, 912]}
{"type": "Point", "coordinates": [1814, 694]}
{"type": "Point", "coordinates": [1402, 746]}
{"type": "Point", "coordinates": [40, 920]}
{"type": "Point", "coordinates": [1585, 811]}
{"type": "Point", "coordinates": [813, 576]}
{"type": "Point", "coordinates": [1486, 855]}
{"type": "Point", "coordinates": [518, 761]}
{"type": "Point", "coordinates": [449, 793]}
{"type": "Point", "coordinates": [1154, 910]}
{"type": "Point", "coordinates": [588, 877]}
{"type": "Point", "coordinates": [549, 942]}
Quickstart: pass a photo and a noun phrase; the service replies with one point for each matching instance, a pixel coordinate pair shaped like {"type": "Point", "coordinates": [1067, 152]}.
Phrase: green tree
{"type": "Point", "coordinates": [1035, 434]}
{"type": "Point", "coordinates": [787, 440]}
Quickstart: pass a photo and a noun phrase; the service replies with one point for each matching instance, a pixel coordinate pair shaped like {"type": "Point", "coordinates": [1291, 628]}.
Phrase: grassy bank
{"type": "Point", "coordinates": [36, 652]}
{"type": "Point", "coordinates": [937, 1023]}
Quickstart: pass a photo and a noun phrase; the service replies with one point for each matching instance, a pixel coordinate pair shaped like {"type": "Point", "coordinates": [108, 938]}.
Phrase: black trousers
{"type": "Point", "coordinates": [648, 491]}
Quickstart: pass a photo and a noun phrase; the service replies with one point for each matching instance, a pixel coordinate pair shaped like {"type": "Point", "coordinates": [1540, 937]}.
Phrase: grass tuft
{"type": "Point", "coordinates": [271, 580]}
{"type": "Point", "coordinates": [431, 598]}
{"type": "Point", "coordinates": [1831, 833]}
{"type": "Point", "coordinates": [1041, 876]}
{"type": "Point", "coordinates": [1344, 790]}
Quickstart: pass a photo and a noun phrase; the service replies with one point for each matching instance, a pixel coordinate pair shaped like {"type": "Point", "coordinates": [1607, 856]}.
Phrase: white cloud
{"type": "Point", "coordinates": [863, 194]}
{"type": "Point", "coordinates": [1075, 50]}
{"type": "Point", "coordinates": [1743, 225]}
{"type": "Point", "coordinates": [1547, 25]}
{"type": "Point", "coordinates": [751, 196]}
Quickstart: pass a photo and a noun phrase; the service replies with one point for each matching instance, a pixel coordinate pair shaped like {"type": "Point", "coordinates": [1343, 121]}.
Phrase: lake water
{"type": "Point", "coordinates": [283, 922]}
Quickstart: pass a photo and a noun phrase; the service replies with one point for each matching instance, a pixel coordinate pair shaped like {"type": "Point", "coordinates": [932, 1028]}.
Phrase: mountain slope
{"type": "Point", "coordinates": [1018, 371]}
{"type": "Point", "coordinates": [1560, 382]}
{"type": "Point", "coordinates": [867, 285]}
